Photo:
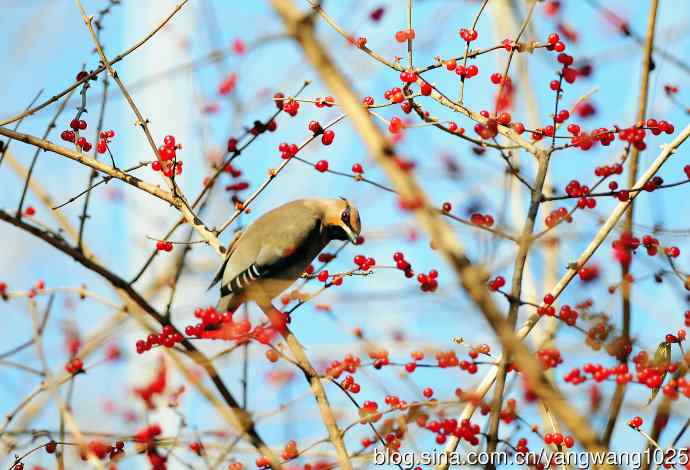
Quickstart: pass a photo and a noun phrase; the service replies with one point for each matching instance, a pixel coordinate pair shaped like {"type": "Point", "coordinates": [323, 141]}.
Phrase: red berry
{"type": "Point", "coordinates": [321, 165]}
{"type": "Point", "coordinates": [327, 137]}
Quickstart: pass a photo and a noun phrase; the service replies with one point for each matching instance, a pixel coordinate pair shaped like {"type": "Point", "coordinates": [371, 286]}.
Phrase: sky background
{"type": "Point", "coordinates": [47, 44]}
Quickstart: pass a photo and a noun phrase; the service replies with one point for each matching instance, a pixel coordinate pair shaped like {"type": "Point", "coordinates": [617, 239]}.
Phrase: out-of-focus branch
{"type": "Point", "coordinates": [626, 287]}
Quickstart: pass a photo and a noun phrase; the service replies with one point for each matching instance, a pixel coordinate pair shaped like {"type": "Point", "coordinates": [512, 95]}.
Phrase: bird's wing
{"type": "Point", "coordinates": [231, 248]}
{"type": "Point", "coordinates": [281, 242]}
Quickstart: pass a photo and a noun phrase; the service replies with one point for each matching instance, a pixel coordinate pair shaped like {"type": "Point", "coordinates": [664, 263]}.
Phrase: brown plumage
{"type": "Point", "coordinates": [270, 254]}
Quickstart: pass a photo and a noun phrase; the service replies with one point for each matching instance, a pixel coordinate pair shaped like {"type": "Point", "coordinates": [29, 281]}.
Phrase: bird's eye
{"type": "Point", "coordinates": [345, 216]}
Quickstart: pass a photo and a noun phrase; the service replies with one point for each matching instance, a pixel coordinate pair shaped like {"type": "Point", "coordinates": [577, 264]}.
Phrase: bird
{"type": "Point", "coordinates": [269, 255]}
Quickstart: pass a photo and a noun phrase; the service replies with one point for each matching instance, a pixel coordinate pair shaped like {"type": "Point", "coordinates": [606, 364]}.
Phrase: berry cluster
{"type": "Point", "coordinates": [469, 35]}
{"type": "Point", "coordinates": [556, 216]}
{"type": "Point", "coordinates": [102, 450]}
{"type": "Point", "coordinates": [168, 158]}
{"type": "Point", "coordinates": [549, 358]}
{"type": "Point", "coordinates": [496, 283]}
{"type": "Point", "coordinates": [483, 220]}
{"type": "Point", "coordinates": [394, 95]}
{"type": "Point", "coordinates": [405, 35]}
{"type": "Point", "coordinates": [464, 430]}
{"type": "Point", "coordinates": [350, 385]}
{"type": "Point", "coordinates": [558, 439]}
{"type": "Point", "coordinates": [364, 263]}
{"type": "Point", "coordinates": [287, 151]}
{"type": "Point", "coordinates": [428, 282]}
{"type": "Point", "coordinates": [164, 246]}
{"type": "Point", "coordinates": [105, 138]}
{"type": "Point", "coordinates": [349, 364]}
{"type": "Point", "coordinates": [168, 338]}
{"type": "Point", "coordinates": [402, 264]}
{"type": "Point", "coordinates": [74, 366]}
{"type": "Point", "coordinates": [290, 451]}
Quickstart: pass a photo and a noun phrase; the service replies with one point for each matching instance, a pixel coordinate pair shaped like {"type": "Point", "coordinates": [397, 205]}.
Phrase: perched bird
{"type": "Point", "coordinates": [661, 361]}
{"type": "Point", "coordinates": [269, 255]}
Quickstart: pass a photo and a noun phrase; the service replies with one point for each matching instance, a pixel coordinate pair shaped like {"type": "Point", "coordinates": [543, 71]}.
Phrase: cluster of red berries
{"type": "Point", "coordinates": [168, 338]}
{"type": "Point", "coordinates": [549, 358]}
{"type": "Point", "coordinates": [287, 151]}
{"type": "Point", "coordinates": [607, 170]}
{"type": "Point", "coordinates": [74, 366]}
{"type": "Point", "coordinates": [686, 318]}
{"type": "Point", "coordinates": [445, 359]}
{"type": "Point", "coordinates": [562, 116]}
{"type": "Point", "coordinates": [558, 439]}
{"type": "Point", "coordinates": [164, 246]}
{"type": "Point", "coordinates": [455, 129]}
{"type": "Point", "coordinates": [148, 434]}
{"type": "Point", "coordinates": [326, 102]}
{"type": "Point", "coordinates": [368, 412]}
{"type": "Point", "coordinates": [217, 325]}
{"type": "Point", "coordinates": [402, 264]}
{"type": "Point", "coordinates": [349, 364]}
{"type": "Point", "coordinates": [290, 451]}
{"type": "Point", "coordinates": [651, 244]}
{"type": "Point", "coordinates": [483, 220]}
{"type": "Point", "coordinates": [487, 131]}
{"type": "Point", "coordinates": [105, 138]}
{"type": "Point", "coordinates": [394, 95]}
{"type": "Point", "coordinates": [428, 282]}
{"type": "Point", "coordinates": [102, 450]}
{"type": "Point", "coordinates": [554, 43]}
{"type": "Point", "coordinates": [657, 127]}
{"type": "Point", "coordinates": [197, 447]}
{"type": "Point", "coordinates": [677, 338]}
{"type": "Point", "coordinates": [575, 189]}
{"type": "Point", "coordinates": [408, 76]}
{"type": "Point", "coordinates": [380, 358]}
{"type": "Point", "coordinates": [168, 153]}
{"type": "Point", "coordinates": [290, 106]}
{"type": "Point", "coordinates": [496, 283]}
{"type": "Point", "coordinates": [588, 273]}
{"type": "Point", "coordinates": [350, 385]}
{"type": "Point", "coordinates": [636, 422]}
{"type": "Point", "coordinates": [364, 263]}
{"type": "Point", "coordinates": [463, 430]}
{"type": "Point", "coordinates": [395, 402]}
{"type": "Point", "coordinates": [468, 35]}
{"type": "Point", "coordinates": [467, 72]}
{"type": "Point", "coordinates": [556, 216]}
{"type": "Point", "coordinates": [676, 387]}
{"type": "Point", "coordinates": [405, 35]}
{"type": "Point", "coordinates": [359, 42]}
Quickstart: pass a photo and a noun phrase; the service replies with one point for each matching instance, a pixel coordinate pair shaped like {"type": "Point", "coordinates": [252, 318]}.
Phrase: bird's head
{"type": "Point", "coordinates": [341, 220]}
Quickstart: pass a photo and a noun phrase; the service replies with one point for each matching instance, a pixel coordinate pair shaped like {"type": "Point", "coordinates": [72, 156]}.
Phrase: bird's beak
{"type": "Point", "coordinates": [350, 234]}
